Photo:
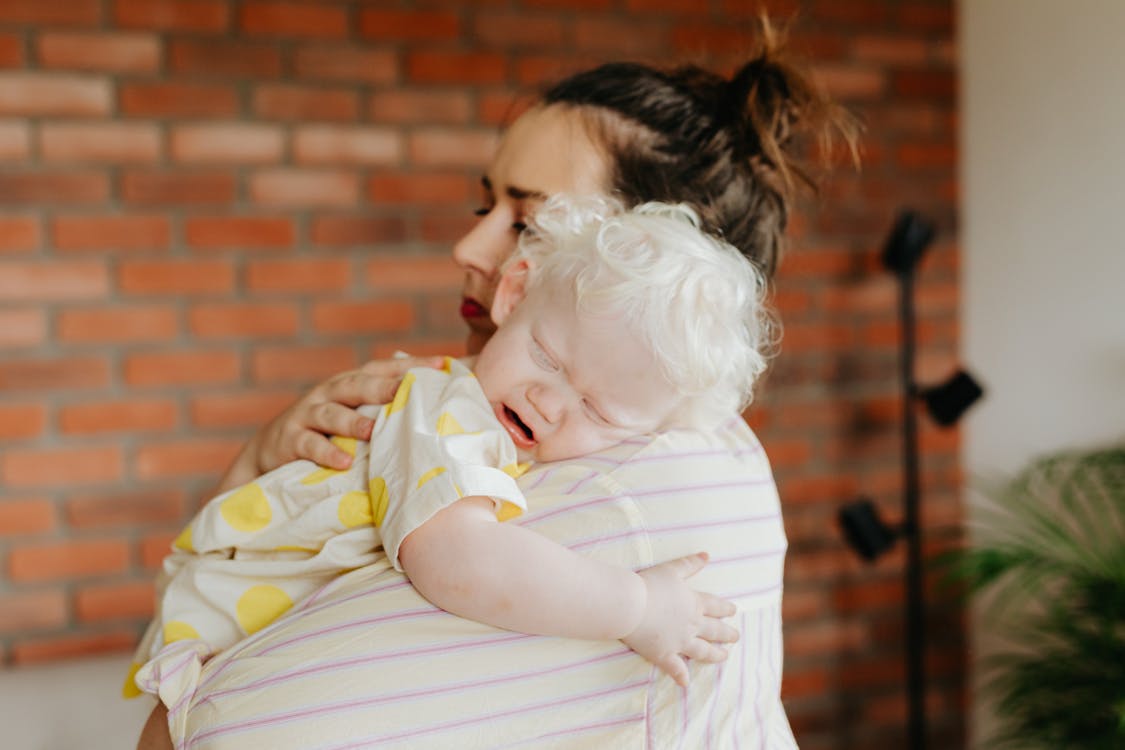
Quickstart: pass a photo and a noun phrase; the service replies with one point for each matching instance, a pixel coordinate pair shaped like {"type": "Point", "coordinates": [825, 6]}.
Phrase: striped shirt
{"type": "Point", "coordinates": [366, 662]}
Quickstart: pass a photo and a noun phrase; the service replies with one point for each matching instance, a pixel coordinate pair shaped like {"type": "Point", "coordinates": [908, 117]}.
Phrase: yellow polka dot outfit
{"type": "Point", "coordinates": [253, 552]}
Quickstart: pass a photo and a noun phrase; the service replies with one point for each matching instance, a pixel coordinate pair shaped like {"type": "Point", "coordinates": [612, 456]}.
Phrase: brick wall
{"type": "Point", "coordinates": [208, 205]}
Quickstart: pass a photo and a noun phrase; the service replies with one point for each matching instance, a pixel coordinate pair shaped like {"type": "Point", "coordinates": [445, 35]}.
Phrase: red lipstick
{"type": "Point", "coordinates": [470, 308]}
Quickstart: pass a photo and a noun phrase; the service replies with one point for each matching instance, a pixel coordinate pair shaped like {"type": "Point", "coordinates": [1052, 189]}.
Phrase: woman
{"type": "Point", "coordinates": [367, 662]}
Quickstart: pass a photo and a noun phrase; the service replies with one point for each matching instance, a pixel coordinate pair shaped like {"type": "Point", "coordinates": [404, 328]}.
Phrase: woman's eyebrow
{"type": "Point", "coordinates": [516, 193]}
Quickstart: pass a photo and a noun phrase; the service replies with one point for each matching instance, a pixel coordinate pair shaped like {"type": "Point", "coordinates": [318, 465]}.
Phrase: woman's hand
{"type": "Point", "coordinates": [303, 430]}
{"type": "Point", "coordinates": [679, 622]}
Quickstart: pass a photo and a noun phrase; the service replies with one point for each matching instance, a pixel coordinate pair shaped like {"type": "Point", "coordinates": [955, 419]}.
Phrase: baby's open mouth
{"type": "Point", "coordinates": [519, 423]}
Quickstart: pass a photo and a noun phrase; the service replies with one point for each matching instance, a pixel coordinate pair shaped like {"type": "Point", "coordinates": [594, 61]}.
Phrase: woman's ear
{"type": "Point", "coordinates": [511, 290]}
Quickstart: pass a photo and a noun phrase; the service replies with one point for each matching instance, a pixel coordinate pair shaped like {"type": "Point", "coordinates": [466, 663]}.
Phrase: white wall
{"type": "Point", "coordinates": [1043, 227]}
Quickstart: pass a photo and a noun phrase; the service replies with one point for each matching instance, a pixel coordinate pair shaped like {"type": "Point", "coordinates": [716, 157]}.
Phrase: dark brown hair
{"type": "Point", "coordinates": [724, 146]}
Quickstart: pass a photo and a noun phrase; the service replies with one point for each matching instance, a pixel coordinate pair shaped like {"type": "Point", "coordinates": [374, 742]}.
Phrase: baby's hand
{"type": "Point", "coordinates": [679, 622]}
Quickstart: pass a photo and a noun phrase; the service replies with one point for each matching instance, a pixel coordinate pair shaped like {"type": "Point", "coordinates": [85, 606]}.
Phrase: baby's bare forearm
{"type": "Point", "coordinates": [510, 577]}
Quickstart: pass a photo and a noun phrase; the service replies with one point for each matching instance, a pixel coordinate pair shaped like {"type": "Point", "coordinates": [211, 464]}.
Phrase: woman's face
{"type": "Point", "coordinates": [546, 151]}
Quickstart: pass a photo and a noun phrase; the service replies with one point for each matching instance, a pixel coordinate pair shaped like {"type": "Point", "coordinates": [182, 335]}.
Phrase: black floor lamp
{"type": "Point", "coordinates": [867, 534]}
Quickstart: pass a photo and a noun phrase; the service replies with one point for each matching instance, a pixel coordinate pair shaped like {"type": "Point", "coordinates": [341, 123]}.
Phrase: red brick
{"type": "Point", "coordinates": [927, 156]}
{"type": "Point", "coordinates": [431, 273]}
{"type": "Point", "coordinates": [420, 107]}
{"type": "Point", "coordinates": [49, 188]}
{"type": "Point", "coordinates": [663, 6]}
{"type": "Point", "coordinates": [699, 39]}
{"type": "Point", "coordinates": [443, 312]}
{"type": "Point", "coordinates": [19, 233]}
{"type": "Point", "coordinates": [293, 19]}
{"type": "Point", "coordinates": [867, 13]}
{"type": "Point", "coordinates": [114, 52]}
{"type": "Point", "coordinates": [298, 275]}
{"type": "Point", "coordinates": [503, 107]}
{"type": "Point", "coordinates": [125, 509]}
{"type": "Point", "coordinates": [26, 516]}
{"type": "Point", "coordinates": [519, 30]}
{"type": "Point", "coordinates": [224, 58]}
{"type": "Point", "coordinates": [935, 19]}
{"type": "Point", "coordinates": [362, 317]}
{"type": "Point", "coordinates": [243, 320]}
{"type": "Point", "coordinates": [622, 38]}
{"type": "Point", "coordinates": [51, 94]}
{"type": "Point", "coordinates": [533, 70]}
{"type": "Point", "coordinates": [303, 103]}
{"type": "Point", "coordinates": [452, 148]}
{"type": "Point", "coordinates": [181, 368]}
{"type": "Point", "coordinates": [420, 347]}
{"type": "Point", "coordinates": [456, 67]}
{"type": "Point", "coordinates": [210, 232]}
{"type": "Point", "coordinates": [155, 547]}
{"type": "Point", "coordinates": [849, 82]}
{"type": "Point", "coordinates": [446, 229]}
{"type": "Point", "coordinates": [172, 15]}
{"type": "Point", "coordinates": [56, 13]}
{"type": "Point", "coordinates": [24, 421]}
{"type": "Point", "coordinates": [335, 144]}
{"type": "Point", "coordinates": [32, 610]}
{"type": "Point", "coordinates": [349, 231]}
{"type": "Point", "coordinates": [177, 99]}
{"type": "Point", "coordinates": [58, 280]}
{"type": "Point", "coordinates": [177, 188]}
{"type": "Point", "coordinates": [227, 143]}
{"type": "Point", "coordinates": [22, 327]}
{"type": "Point", "coordinates": [893, 50]}
{"type": "Point", "coordinates": [355, 64]}
{"type": "Point", "coordinates": [175, 276]}
{"type": "Point", "coordinates": [65, 647]}
{"type": "Point", "coordinates": [408, 25]}
{"type": "Point", "coordinates": [15, 141]}
{"type": "Point", "coordinates": [570, 4]}
{"type": "Point", "coordinates": [105, 142]}
{"type": "Point", "coordinates": [85, 325]}
{"type": "Point", "coordinates": [297, 187]}
{"type": "Point", "coordinates": [117, 601]}
{"type": "Point", "coordinates": [11, 51]}
{"type": "Point", "coordinates": [251, 409]}
{"type": "Point", "coordinates": [131, 232]}
{"type": "Point", "coordinates": [54, 373]}
{"type": "Point", "coordinates": [300, 364]}
{"type": "Point", "coordinates": [805, 682]}
{"type": "Point", "coordinates": [412, 189]}
{"type": "Point", "coordinates": [935, 85]}
{"type": "Point", "coordinates": [182, 458]}
{"type": "Point", "coordinates": [124, 415]}
{"type": "Point", "coordinates": [61, 467]}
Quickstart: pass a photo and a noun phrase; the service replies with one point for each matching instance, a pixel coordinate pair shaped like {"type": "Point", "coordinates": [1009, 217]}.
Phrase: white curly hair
{"type": "Point", "coordinates": [697, 303]}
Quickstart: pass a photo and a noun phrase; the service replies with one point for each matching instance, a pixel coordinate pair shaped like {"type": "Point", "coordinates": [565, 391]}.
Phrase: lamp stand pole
{"type": "Point", "coordinates": [911, 528]}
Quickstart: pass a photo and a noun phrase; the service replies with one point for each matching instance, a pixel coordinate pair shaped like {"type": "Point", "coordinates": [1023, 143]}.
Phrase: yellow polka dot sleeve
{"type": "Point", "coordinates": [447, 445]}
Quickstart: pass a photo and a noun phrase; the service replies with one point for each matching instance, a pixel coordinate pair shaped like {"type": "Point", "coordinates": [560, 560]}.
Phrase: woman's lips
{"type": "Point", "coordinates": [471, 309]}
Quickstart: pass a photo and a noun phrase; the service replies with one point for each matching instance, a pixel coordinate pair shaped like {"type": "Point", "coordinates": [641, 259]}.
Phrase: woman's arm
{"type": "Point", "coordinates": [302, 430]}
{"type": "Point", "coordinates": [502, 574]}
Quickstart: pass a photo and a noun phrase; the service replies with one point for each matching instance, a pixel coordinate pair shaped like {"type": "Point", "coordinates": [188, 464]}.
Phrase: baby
{"type": "Point", "coordinates": [611, 324]}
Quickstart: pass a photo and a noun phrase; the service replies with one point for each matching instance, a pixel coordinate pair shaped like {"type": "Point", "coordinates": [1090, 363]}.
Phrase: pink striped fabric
{"type": "Point", "coordinates": [366, 662]}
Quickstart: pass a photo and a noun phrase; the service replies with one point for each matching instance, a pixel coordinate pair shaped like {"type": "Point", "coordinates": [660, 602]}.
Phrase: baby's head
{"type": "Point", "coordinates": [617, 323]}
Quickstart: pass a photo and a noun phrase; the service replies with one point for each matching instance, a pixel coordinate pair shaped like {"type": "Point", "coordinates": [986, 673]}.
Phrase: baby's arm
{"type": "Point", "coordinates": [502, 574]}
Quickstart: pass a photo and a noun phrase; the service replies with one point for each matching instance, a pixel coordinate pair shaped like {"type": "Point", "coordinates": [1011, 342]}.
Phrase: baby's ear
{"type": "Point", "coordinates": [511, 290]}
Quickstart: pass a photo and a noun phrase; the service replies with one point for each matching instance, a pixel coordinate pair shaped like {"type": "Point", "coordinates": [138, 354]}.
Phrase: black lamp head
{"type": "Point", "coordinates": [948, 401]}
{"type": "Point", "coordinates": [864, 531]}
{"type": "Point", "coordinates": [909, 238]}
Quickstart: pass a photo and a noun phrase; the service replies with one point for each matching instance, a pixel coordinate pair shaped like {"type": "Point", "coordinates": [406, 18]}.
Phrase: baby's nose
{"type": "Point", "coordinates": [547, 401]}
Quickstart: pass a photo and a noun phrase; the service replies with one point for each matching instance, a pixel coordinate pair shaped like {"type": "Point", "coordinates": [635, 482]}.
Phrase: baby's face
{"type": "Point", "coordinates": [565, 384]}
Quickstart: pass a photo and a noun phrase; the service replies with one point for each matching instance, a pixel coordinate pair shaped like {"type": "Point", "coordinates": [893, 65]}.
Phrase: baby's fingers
{"type": "Point", "coordinates": [717, 631]}
{"type": "Point", "coordinates": [713, 606]}
{"type": "Point", "coordinates": [702, 651]}
{"type": "Point", "coordinates": [675, 667]}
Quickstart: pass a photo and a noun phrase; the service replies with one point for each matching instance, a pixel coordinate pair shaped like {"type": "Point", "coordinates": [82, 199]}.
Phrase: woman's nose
{"type": "Point", "coordinates": [484, 247]}
{"type": "Point", "coordinates": [550, 403]}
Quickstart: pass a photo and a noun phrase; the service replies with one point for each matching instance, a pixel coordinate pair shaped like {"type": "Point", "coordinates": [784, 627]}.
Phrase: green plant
{"type": "Point", "coordinates": [1049, 564]}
